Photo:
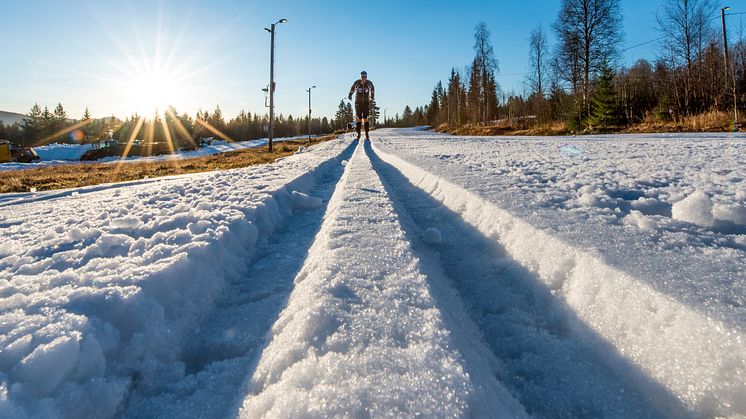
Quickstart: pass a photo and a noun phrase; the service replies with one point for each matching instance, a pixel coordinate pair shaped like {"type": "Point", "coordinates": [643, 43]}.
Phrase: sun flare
{"type": "Point", "coordinates": [152, 92]}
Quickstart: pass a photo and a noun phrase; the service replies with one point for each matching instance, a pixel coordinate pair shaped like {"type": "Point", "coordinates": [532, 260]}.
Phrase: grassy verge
{"type": "Point", "coordinates": [705, 122]}
{"type": "Point", "coordinates": [76, 175]}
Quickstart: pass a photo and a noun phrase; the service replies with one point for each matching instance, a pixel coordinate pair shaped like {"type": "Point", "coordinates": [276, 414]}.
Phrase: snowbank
{"type": "Point", "coordinates": [97, 291]}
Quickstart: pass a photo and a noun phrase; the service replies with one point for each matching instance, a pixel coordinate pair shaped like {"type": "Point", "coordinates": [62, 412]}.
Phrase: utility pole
{"type": "Point", "coordinates": [271, 31]}
{"type": "Point", "coordinates": [309, 111]}
{"type": "Point", "coordinates": [728, 73]}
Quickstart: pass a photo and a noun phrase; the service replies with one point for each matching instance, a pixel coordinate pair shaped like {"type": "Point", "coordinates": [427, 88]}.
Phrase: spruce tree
{"type": "Point", "coordinates": [374, 112]}
{"type": "Point", "coordinates": [407, 119]}
{"type": "Point", "coordinates": [605, 113]}
{"type": "Point", "coordinates": [60, 120]}
{"type": "Point", "coordinates": [32, 125]}
{"type": "Point", "coordinates": [433, 110]}
{"type": "Point", "coordinates": [341, 116]}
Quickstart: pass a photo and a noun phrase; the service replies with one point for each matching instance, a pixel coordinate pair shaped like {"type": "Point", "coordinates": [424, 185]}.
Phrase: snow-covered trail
{"type": "Point", "coordinates": [363, 335]}
{"type": "Point", "coordinates": [556, 366]}
{"type": "Point", "coordinates": [224, 348]}
{"type": "Point", "coordinates": [418, 278]}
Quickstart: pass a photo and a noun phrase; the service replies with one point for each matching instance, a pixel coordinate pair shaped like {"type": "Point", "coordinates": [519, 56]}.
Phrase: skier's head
{"type": "Point", "coordinates": [363, 75]}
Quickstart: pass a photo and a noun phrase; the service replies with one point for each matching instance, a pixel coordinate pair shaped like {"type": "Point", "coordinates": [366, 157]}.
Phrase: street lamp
{"type": "Point", "coordinates": [309, 111]}
{"type": "Point", "coordinates": [271, 30]}
{"type": "Point", "coordinates": [727, 72]}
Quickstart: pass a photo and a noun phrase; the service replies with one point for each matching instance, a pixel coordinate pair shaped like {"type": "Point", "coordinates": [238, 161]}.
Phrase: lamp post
{"type": "Point", "coordinates": [309, 111]}
{"type": "Point", "coordinates": [727, 69]}
{"type": "Point", "coordinates": [271, 31]}
{"type": "Point", "coordinates": [384, 117]}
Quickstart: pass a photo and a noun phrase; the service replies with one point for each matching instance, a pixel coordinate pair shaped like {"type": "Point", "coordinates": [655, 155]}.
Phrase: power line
{"type": "Point", "coordinates": [643, 43]}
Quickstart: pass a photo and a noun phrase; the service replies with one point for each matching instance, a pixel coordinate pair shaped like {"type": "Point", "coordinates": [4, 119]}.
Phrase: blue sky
{"type": "Point", "coordinates": [86, 53]}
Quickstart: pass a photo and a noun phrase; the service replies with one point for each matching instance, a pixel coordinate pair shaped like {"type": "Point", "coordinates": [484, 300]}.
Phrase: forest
{"type": "Point", "coordinates": [696, 82]}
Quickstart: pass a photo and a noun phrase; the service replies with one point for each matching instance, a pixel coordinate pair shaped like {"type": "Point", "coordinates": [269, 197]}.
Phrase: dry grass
{"type": "Point", "coordinates": [715, 121]}
{"type": "Point", "coordinates": [76, 175]}
{"type": "Point", "coordinates": [554, 128]}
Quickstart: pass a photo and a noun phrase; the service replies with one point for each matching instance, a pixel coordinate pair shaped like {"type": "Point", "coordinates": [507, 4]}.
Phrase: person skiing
{"type": "Point", "coordinates": [364, 93]}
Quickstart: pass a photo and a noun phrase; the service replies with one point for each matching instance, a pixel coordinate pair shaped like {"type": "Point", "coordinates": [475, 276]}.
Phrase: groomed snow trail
{"type": "Point", "coordinates": [553, 364]}
{"type": "Point", "coordinates": [224, 348]}
{"type": "Point", "coordinates": [362, 334]}
{"type": "Point", "coordinates": [428, 276]}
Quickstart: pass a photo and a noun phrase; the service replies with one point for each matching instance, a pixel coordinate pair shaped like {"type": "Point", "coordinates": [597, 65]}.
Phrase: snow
{"type": "Point", "coordinates": [98, 299]}
{"type": "Point", "coordinates": [695, 208]}
{"type": "Point", "coordinates": [433, 236]}
{"type": "Point", "coordinates": [418, 274]}
{"type": "Point", "coordinates": [672, 304]}
{"type": "Point", "coordinates": [361, 334]}
{"type": "Point", "coordinates": [64, 154]}
{"type": "Point", "coordinates": [302, 201]}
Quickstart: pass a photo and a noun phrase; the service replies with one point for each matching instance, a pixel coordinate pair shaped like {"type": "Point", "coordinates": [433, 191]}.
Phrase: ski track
{"type": "Point", "coordinates": [555, 366]}
{"type": "Point", "coordinates": [362, 335]}
{"type": "Point", "coordinates": [395, 284]}
{"type": "Point", "coordinates": [224, 348]}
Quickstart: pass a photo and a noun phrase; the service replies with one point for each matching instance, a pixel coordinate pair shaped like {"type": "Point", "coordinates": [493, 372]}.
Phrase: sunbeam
{"type": "Point", "coordinates": [213, 129]}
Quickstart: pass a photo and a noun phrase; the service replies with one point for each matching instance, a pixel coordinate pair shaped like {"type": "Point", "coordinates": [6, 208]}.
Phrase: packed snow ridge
{"type": "Point", "coordinates": [415, 275]}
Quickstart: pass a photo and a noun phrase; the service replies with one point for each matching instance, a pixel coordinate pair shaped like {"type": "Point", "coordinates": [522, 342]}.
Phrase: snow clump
{"type": "Point", "coordinates": [696, 209]}
{"type": "Point", "coordinates": [304, 202]}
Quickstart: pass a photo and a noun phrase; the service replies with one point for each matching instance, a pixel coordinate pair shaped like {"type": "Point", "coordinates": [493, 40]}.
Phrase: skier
{"type": "Point", "coordinates": [364, 93]}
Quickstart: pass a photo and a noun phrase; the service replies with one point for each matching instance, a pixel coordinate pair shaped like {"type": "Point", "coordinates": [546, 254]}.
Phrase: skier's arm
{"type": "Point", "coordinates": [352, 90]}
{"type": "Point", "coordinates": [372, 90]}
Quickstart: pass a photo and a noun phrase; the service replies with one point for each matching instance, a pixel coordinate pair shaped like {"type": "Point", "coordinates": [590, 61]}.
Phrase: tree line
{"type": "Point", "coordinates": [42, 126]}
{"type": "Point", "coordinates": [578, 80]}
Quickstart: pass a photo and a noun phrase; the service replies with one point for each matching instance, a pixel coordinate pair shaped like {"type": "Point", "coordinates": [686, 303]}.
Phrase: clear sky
{"type": "Point", "coordinates": [120, 56]}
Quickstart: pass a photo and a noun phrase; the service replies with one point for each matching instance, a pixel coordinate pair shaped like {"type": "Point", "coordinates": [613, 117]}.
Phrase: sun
{"type": "Point", "coordinates": [151, 92]}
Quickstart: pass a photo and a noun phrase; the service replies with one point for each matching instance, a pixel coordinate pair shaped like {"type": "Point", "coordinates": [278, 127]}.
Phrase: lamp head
{"type": "Point", "coordinates": [726, 8]}
{"type": "Point", "coordinates": [282, 21]}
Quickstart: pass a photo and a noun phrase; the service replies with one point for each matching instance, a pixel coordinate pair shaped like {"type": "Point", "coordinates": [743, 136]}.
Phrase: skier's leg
{"type": "Point", "coordinates": [359, 118]}
{"type": "Point", "coordinates": [366, 111]}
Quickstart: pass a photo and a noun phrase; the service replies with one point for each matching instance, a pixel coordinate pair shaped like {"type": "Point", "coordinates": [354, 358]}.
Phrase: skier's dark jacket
{"type": "Point", "coordinates": [364, 91]}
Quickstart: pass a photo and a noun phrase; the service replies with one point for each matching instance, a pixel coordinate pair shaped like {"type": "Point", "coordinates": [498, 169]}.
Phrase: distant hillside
{"type": "Point", "coordinates": [8, 118]}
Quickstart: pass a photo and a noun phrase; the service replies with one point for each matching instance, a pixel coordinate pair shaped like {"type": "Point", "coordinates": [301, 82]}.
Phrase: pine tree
{"type": "Point", "coordinates": [374, 112]}
{"type": "Point", "coordinates": [60, 120]}
{"type": "Point", "coordinates": [454, 94]}
{"type": "Point", "coordinates": [32, 125]}
{"type": "Point", "coordinates": [407, 119]}
{"type": "Point", "coordinates": [434, 108]}
{"type": "Point", "coordinates": [606, 112]}
{"type": "Point", "coordinates": [341, 116]}
{"type": "Point", "coordinates": [47, 124]}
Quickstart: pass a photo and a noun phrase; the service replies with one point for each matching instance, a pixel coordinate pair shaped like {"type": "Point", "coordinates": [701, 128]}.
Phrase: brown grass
{"type": "Point", "coordinates": [76, 175]}
{"type": "Point", "coordinates": [553, 128]}
{"type": "Point", "coordinates": [715, 121]}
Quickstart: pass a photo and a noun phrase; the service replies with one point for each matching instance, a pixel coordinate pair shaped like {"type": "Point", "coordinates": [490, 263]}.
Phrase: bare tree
{"type": "Point", "coordinates": [589, 33]}
{"type": "Point", "coordinates": [538, 57]}
{"type": "Point", "coordinates": [687, 31]}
